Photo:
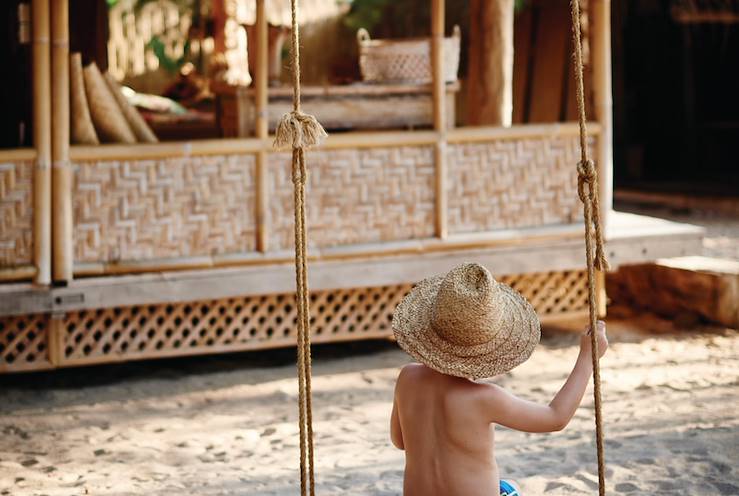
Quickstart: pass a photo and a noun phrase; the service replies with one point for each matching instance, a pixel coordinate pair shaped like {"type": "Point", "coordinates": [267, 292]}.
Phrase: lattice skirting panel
{"type": "Point", "coordinates": [234, 324]}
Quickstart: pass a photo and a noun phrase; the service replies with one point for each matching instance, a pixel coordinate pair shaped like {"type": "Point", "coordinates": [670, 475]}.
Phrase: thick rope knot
{"type": "Point", "coordinates": [587, 175]}
{"type": "Point", "coordinates": [298, 130]}
{"type": "Point", "coordinates": [587, 190]}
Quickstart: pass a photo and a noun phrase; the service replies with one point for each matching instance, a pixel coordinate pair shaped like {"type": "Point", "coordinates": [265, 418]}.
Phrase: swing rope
{"type": "Point", "coordinates": [587, 190]}
{"type": "Point", "coordinates": [299, 131]}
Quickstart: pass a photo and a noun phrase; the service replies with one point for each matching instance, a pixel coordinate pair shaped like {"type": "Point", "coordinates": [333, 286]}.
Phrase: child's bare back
{"type": "Point", "coordinates": [441, 417]}
{"type": "Point", "coordinates": [448, 442]}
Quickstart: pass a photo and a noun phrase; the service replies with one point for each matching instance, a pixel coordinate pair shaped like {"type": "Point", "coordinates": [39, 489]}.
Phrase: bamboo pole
{"type": "Point", "coordinates": [17, 273]}
{"type": "Point", "coordinates": [600, 56]}
{"type": "Point", "coordinates": [61, 170]}
{"type": "Point", "coordinates": [42, 143]}
{"type": "Point", "coordinates": [57, 339]}
{"type": "Point", "coordinates": [261, 124]}
{"type": "Point", "coordinates": [440, 124]}
{"type": "Point", "coordinates": [359, 139]}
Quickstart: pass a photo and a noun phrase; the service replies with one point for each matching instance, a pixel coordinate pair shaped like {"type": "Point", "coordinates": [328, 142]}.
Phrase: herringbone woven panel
{"type": "Point", "coordinates": [513, 183]}
{"type": "Point", "coordinates": [356, 196]}
{"type": "Point", "coordinates": [177, 207]}
{"type": "Point", "coordinates": [16, 213]}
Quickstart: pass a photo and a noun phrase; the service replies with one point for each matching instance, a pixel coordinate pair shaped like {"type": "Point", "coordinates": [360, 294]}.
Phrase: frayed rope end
{"type": "Point", "coordinates": [298, 130]}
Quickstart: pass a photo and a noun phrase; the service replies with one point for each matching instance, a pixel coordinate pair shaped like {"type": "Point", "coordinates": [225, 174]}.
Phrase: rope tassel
{"type": "Point", "coordinates": [298, 130]}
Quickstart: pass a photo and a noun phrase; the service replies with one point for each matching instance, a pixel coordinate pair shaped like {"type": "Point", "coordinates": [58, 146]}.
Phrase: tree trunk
{"type": "Point", "coordinates": [490, 74]}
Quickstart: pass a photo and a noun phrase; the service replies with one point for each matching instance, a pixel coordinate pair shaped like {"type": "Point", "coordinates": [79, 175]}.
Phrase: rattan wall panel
{"type": "Point", "coordinates": [513, 184]}
{"type": "Point", "coordinates": [356, 196]}
{"type": "Point", "coordinates": [174, 207]}
{"type": "Point", "coordinates": [16, 213]}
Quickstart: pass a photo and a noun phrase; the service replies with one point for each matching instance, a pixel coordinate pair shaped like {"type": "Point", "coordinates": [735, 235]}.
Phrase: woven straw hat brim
{"type": "Point", "coordinates": [512, 346]}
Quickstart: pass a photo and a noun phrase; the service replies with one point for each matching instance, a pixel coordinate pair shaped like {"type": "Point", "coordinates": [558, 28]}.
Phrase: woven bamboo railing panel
{"type": "Point", "coordinates": [175, 207]}
{"type": "Point", "coordinates": [16, 213]}
{"type": "Point", "coordinates": [512, 183]}
{"type": "Point", "coordinates": [356, 196]}
{"type": "Point", "coordinates": [24, 343]}
{"type": "Point", "coordinates": [245, 323]}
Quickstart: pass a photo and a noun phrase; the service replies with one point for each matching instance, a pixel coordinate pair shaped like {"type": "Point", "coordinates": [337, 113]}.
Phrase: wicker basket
{"type": "Point", "coordinates": [406, 60]}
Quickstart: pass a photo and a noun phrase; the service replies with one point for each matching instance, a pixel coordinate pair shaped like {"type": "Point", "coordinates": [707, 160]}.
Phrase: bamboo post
{"type": "Point", "coordinates": [600, 56]}
{"type": "Point", "coordinates": [42, 142]}
{"type": "Point", "coordinates": [262, 123]}
{"type": "Point", "coordinates": [61, 181]}
{"type": "Point", "coordinates": [57, 339]}
{"type": "Point", "coordinates": [440, 124]}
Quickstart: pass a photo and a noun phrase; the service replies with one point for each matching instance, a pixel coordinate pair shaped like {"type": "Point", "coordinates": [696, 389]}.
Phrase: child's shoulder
{"type": "Point", "coordinates": [413, 371]}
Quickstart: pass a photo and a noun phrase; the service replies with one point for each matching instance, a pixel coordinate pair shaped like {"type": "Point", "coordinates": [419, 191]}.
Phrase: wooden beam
{"type": "Point", "coordinates": [41, 142]}
{"type": "Point", "coordinates": [261, 125]}
{"type": "Point", "coordinates": [360, 139]}
{"type": "Point", "coordinates": [440, 123]}
{"type": "Point", "coordinates": [600, 22]}
{"type": "Point", "coordinates": [61, 171]}
{"type": "Point", "coordinates": [81, 153]}
{"type": "Point", "coordinates": [487, 133]}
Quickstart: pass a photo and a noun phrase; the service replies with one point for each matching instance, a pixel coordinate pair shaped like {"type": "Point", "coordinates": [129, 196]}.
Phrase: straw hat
{"type": "Point", "coordinates": [466, 324]}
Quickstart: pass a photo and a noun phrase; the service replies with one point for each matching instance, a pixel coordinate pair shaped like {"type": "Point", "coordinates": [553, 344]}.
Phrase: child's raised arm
{"type": "Point", "coordinates": [508, 410]}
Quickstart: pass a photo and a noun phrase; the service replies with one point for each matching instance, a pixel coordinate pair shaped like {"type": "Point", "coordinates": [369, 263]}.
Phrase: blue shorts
{"type": "Point", "coordinates": [507, 489]}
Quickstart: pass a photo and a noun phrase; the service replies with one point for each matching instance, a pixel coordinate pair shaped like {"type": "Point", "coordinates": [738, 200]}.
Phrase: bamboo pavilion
{"type": "Point", "coordinates": [117, 252]}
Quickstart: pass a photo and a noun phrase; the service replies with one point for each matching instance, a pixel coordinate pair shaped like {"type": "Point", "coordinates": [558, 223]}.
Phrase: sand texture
{"type": "Point", "coordinates": [227, 425]}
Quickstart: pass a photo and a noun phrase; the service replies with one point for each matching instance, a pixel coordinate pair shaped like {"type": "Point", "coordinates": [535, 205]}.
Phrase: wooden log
{"type": "Point", "coordinates": [490, 80]}
{"type": "Point", "coordinates": [261, 124]}
{"type": "Point", "coordinates": [440, 124]}
{"type": "Point", "coordinates": [680, 288]}
{"type": "Point", "coordinates": [61, 170]}
{"type": "Point", "coordinates": [42, 142]}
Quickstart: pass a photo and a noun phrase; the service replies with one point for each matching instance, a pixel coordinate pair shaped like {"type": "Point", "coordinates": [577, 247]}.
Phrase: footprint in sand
{"type": "Point", "coordinates": [626, 487]}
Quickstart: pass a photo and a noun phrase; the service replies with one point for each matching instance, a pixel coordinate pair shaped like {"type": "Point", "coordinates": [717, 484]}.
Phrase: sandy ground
{"type": "Point", "coordinates": [227, 425]}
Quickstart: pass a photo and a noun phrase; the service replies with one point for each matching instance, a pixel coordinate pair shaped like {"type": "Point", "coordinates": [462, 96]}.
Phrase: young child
{"type": "Point", "coordinates": [461, 327]}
